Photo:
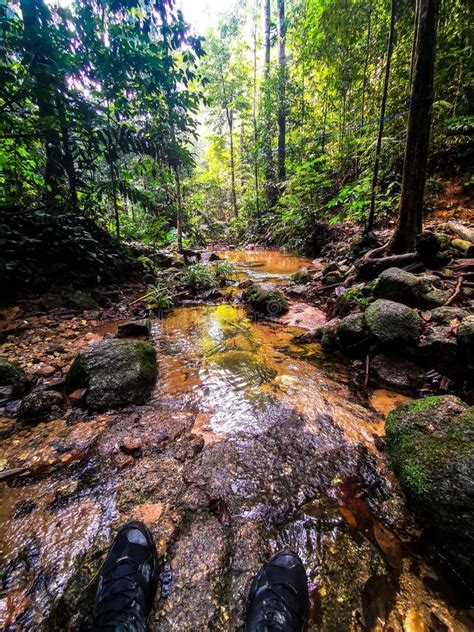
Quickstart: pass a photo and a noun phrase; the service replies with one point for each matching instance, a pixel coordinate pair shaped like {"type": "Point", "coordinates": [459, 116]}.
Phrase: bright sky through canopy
{"type": "Point", "coordinates": [203, 14]}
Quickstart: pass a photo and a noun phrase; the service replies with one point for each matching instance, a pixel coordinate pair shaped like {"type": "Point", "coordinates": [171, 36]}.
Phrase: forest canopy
{"type": "Point", "coordinates": [257, 130]}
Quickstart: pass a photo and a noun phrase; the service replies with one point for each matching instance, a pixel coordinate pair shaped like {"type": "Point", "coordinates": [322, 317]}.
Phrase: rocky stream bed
{"type": "Point", "coordinates": [250, 440]}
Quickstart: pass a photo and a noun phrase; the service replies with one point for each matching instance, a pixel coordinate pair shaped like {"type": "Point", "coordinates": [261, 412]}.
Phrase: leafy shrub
{"type": "Point", "coordinates": [162, 297]}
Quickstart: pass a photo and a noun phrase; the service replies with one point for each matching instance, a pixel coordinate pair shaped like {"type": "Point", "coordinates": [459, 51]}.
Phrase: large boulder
{"type": "Point", "coordinates": [401, 286]}
{"type": "Point", "coordinates": [41, 406]}
{"type": "Point", "coordinates": [431, 447]}
{"type": "Point", "coordinates": [114, 372]}
{"type": "Point", "coordinates": [265, 299]}
{"type": "Point", "coordinates": [392, 323]}
{"type": "Point", "coordinates": [13, 378]}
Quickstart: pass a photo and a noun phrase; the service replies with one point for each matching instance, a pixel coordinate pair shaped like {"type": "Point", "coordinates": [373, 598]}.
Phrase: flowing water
{"type": "Point", "coordinates": [250, 442]}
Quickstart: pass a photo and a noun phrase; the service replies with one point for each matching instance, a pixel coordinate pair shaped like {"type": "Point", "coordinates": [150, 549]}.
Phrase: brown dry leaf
{"type": "Point", "coordinates": [389, 544]}
{"type": "Point", "coordinates": [348, 516]}
{"type": "Point", "coordinates": [413, 622]}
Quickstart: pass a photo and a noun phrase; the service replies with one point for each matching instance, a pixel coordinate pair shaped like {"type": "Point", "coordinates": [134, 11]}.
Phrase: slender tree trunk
{"type": "Point", "coordinates": [36, 42]}
{"type": "Point", "coordinates": [179, 206]}
{"type": "Point", "coordinates": [233, 194]}
{"type": "Point", "coordinates": [419, 126]}
{"type": "Point", "coordinates": [342, 130]}
{"type": "Point", "coordinates": [113, 181]}
{"type": "Point", "coordinates": [366, 63]}
{"type": "Point", "coordinates": [68, 157]}
{"type": "Point", "coordinates": [267, 38]}
{"type": "Point", "coordinates": [325, 116]}
{"type": "Point", "coordinates": [378, 148]}
{"type": "Point", "coordinates": [270, 189]}
{"type": "Point", "coordinates": [364, 82]}
{"type": "Point", "coordinates": [281, 91]}
{"type": "Point", "coordinates": [254, 113]}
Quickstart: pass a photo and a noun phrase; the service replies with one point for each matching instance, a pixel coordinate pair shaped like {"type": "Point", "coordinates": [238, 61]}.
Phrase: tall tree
{"type": "Point", "coordinates": [419, 126]}
{"type": "Point", "coordinates": [254, 108]}
{"type": "Point", "coordinates": [281, 90]}
{"type": "Point", "coordinates": [375, 177]}
{"type": "Point", "coordinates": [270, 189]}
{"type": "Point", "coordinates": [225, 68]}
{"type": "Point", "coordinates": [37, 40]}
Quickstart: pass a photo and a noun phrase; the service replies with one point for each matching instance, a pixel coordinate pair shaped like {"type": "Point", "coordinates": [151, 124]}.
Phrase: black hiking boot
{"type": "Point", "coordinates": [128, 582]}
{"type": "Point", "coordinates": [278, 599]}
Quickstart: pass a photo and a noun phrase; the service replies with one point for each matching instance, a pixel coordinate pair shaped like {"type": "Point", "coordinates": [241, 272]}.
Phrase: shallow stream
{"type": "Point", "coordinates": [250, 442]}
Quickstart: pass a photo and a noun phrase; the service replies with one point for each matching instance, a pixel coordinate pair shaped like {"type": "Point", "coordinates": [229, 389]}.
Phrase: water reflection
{"type": "Point", "coordinates": [268, 265]}
{"type": "Point", "coordinates": [241, 374]}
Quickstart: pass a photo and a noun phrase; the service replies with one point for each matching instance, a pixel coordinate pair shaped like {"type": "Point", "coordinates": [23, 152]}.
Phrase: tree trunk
{"type": "Point", "coordinates": [325, 115]}
{"type": "Point", "coordinates": [281, 90]}
{"type": "Point", "coordinates": [375, 177]}
{"type": "Point", "coordinates": [254, 113]}
{"type": "Point", "coordinates": [366, 63]}
{"type": "Point", "coordinates": [68, 157]}
{"type": "Point", "coordinates": [270, 189]}
{"type": "Point", "coordinates": [419, 125]}
{"type": "Point", "coordinates": [179, 205]}
{"type": "Point", "coordinates": [233, 195]}
{"type": "Point", "coordinates": [36, 42]}
{"type": "Point", "coordinates": [267, 39]}
{"type": "Point", "coordinates": [113, 181]}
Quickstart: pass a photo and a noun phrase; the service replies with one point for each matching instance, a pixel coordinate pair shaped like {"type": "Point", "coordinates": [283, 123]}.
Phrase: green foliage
{"type": "Point", "coordinates": [161, 298]}
{"type": "Point", "coordinates": [336, 59]}
{"type": "Point", "coordinates": [222, 272]}
{"type": "Point", "coordinates": [198, 277]}
{"type": "Point", "coordinates": [97, 108]}
{"type": "Point", "coordinates": [355, 296]}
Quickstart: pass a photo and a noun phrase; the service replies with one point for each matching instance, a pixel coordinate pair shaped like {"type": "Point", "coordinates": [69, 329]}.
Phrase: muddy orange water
{"type": "Point", "coordinates": [250, 442]}
{"type": "Point", "coordinates": [266, 265]}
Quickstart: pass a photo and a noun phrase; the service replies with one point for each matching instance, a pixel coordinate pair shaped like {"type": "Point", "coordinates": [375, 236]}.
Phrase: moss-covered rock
{"type": "Point", "coordinates": [404, 287]}
{"type": "Point", "coordinates": [431, 447]}
{"type": "Point", "coordinates": [444, 315]}
{"type": "Point", "coordinates": [393, 323]}
{"type": "Point", "coordinates": [265, 299]}
{"type": "Point", "coordinates": [41, 406]}
{"type": "Point", "coordinates": [353, 335]}
{"type": "Point", "coordinates": [13, 376]}
{"type": "Point", "coordinates": [329, 341]}
{"type": "Point", "coordinates": [114, 372]}
{"type": "Point", "coordinates": [301, 277]}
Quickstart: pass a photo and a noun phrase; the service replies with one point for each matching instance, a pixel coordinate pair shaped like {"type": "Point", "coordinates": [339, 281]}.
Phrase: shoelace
{"type": "Point", "coordinates": [118, 612]}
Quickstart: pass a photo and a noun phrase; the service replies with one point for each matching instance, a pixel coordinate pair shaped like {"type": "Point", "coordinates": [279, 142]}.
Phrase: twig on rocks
{"type": "Point", "coordinates": [456, 292]}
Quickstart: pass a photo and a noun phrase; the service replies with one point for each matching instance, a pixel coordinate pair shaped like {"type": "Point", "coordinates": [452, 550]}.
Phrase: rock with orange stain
{"type": "Point", "coordinates": [123, 460]}
{"type": "Point", "coordinates": [148, 512]}
{"type": "Point", "coordinates": [77, 396]}
{"type": "Point", "coordinates": [131, 445]}
{"type": "Point", "coordinates": [46, 371]}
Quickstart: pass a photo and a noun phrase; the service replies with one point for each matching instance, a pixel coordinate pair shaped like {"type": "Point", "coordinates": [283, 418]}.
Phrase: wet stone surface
{"type": "Point", "coordinates": [248, 443]}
